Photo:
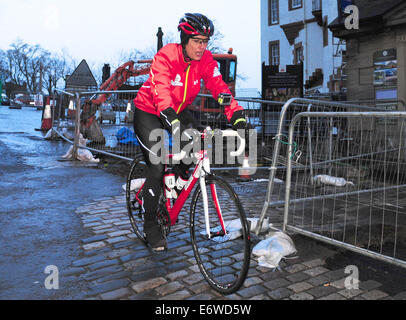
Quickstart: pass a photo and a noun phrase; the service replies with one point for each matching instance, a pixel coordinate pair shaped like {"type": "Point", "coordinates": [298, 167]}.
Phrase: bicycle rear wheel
{"type": "Point", "coordinates": [223, 259]}
{"type": "Point", "coordinates": [135, 180]}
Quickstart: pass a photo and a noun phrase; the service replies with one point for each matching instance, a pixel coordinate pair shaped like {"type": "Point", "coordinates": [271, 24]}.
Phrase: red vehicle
{"type": "Point", "coordinates": [206, 108]}
{"type": "Point", "coordinates": [113, 83]}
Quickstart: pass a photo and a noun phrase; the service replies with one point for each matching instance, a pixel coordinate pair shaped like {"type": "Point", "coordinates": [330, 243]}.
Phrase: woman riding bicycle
{"type": "Point", "coordinates": [173, 84]}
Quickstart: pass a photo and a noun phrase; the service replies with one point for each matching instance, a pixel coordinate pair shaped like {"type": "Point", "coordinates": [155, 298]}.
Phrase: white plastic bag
{"type": "Point", "coordinates": [82, 154]}
{"type": "Point", "coordinates": [332, 181]}
{"type": "Point", "coordinates": [271, 250]}
{"type": "Point", "coordinates": [87, 156]}
{"type": "Point", "coordinates": [111, 142]}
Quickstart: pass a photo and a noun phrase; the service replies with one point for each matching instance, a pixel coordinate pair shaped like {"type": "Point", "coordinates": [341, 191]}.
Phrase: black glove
{"type": "Point", "coordinates": [174, 126]}
{"type": "Point", "coordinates": [239, 122]}
{"type": "Point", "coordinates": [169, 118]}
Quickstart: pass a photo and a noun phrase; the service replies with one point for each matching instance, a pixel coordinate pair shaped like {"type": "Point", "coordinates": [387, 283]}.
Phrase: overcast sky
{"type": "Point", "coordinates": [97, 30]}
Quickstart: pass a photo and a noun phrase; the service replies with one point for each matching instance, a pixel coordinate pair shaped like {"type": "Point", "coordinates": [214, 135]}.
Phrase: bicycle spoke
{"type": "Point", "coordinates": [219, 257]}
{"type": "Point", "coordinates": [135, 181]}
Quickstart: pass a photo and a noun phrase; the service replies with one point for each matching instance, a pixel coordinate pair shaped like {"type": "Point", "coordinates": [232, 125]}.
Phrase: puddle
{"type": "Point", "coordinates": [40, 162]}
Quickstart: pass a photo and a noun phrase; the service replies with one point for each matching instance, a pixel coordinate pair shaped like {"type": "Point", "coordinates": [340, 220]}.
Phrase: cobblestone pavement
{"type": "Point", "coordinates": [116, 265]}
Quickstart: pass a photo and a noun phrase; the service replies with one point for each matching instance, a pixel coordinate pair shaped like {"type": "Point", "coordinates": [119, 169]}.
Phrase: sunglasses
{"type": "Point", "coordinates": [200, 41]}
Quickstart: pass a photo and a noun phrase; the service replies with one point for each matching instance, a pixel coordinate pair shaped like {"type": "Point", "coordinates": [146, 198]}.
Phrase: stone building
{"type": "Point", "coordinates": [296, 31]}
{"type": "Point", "coordinates": [376, 52]}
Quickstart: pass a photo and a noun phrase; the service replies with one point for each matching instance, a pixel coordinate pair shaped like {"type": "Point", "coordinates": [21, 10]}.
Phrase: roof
{"type": "Point", "coordinates": [81, 77]}
{"type": "Point", "coordinates": [369, 10]}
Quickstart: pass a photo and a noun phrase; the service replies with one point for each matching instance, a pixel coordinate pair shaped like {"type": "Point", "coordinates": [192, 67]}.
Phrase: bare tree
{"type": "Point", "coordinates": [170, 38]}
{"type": "Point", "coordinates": [33, 67]}
{"type": "Point", "coordinates": [55, 68]}
{"type": "Point", "coordinates": [4, 74]}
{"type": "Point", "coordinates": [13, 63]}
{"type": "Point", "coordinates": [215, 43]}
{"type": "Point", "coordinates": [71, 62]}
{"type": "Point", "coordinates": [25, 62]}
{"type": "Point", "coordinates": [96, 68]}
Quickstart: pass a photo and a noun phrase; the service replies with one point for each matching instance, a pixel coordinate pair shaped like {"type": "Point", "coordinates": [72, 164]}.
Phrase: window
{"type": "Point", "coordinates": [316, 5]}
{"type": "Point", "coordinates": [273, 12]}
{"type": "Point", "coordinates": [231, 73]}
{"type": "Point", "coordinates": [295, 4]}
{"type": "Point", "coordinates": [298, 54]}
{"type": "Point", "coordinates": [222, 68]}
{"type": "Point", "coordinates": [274, 57]}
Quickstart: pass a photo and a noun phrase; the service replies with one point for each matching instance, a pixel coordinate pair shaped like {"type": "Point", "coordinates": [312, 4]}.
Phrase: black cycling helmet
{"type": "Point", "coordinates": [194, 24]}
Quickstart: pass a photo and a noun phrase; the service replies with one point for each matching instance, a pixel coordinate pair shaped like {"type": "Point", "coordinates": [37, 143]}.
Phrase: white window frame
{"type": "Point", "coordinates": [296, 4]}
{"type": "Point", "coordinates": [274, 11]}
{"type": "Point", "coordinates": [275, 54]}
{"type": "Point", "coordinates": [299, 54]}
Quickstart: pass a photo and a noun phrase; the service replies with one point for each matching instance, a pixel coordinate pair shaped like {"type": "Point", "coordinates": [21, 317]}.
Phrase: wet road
{"type": "Point", "coordinates": [38, 198]}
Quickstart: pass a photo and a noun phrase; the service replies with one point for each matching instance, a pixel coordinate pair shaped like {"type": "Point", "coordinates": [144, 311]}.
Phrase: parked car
{"type": "Point", "coordinates": [24, 99]}
{"type": "Point", "coordinates": [5, 101]}
{"type": "Point", "coordinates": [106, 113]}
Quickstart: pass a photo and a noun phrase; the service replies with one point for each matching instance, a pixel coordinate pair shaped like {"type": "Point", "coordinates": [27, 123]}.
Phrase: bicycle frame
{"type": "Point", "coordinates": [201, 170]}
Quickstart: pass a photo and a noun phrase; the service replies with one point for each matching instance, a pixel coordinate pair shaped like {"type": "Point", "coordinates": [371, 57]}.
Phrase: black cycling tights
{"type": "Point", "coordinates": [144, 123]}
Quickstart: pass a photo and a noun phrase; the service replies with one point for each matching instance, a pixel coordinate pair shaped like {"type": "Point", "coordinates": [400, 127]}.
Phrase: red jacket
{"type": "Point", "coordinates": [175, 83]}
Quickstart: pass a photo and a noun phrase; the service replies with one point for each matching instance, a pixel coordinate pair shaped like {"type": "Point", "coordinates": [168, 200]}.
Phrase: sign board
{"type": "Point", "coordinates": [390, 106]}
{"type": "Point", "coordinates": [283, 82]}
{"type": "Point", "coordinates": [386, 81]}
{"type": "Point", "coordinates": [385, 68]}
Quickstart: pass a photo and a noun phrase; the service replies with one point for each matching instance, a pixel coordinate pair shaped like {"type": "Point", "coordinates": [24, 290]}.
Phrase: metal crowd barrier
{"type": "Point", "coordinates": [75, 118]}
{"type": "Point", "coordinates": [350, 190]}
{"type": "Point", "coordinates": [326, 139]}
{"type": "Point", "coordinates": [113, 135]}
{"type": "Point", "coordinates": [274, 195]}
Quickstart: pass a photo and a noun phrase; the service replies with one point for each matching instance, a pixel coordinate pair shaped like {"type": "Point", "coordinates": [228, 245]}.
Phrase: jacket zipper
{"type": "Point", "coordinates": [184, 94]}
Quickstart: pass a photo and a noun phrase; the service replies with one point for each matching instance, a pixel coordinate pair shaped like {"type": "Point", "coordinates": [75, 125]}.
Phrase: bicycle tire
{"type": "Point", "coordinates": [134, 209]}
{"type": "Point", "coordinates": [222, 260]}
{"type": "Point", "coordinates": [137, 172]}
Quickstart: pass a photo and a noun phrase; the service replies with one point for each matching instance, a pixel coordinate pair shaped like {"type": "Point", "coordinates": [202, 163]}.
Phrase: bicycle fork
{"type": "Point", "coordinates": [204, 172]}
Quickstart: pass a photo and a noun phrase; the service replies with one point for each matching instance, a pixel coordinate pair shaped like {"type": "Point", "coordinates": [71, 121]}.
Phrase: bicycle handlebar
{"type": "Point", "coordinates": [233, 133]}
{"type": "Point", "coordinates": [225, 133]}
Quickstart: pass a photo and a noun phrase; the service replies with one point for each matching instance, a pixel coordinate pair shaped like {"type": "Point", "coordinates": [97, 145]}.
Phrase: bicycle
{"type": "Point", "coordinates": [219, 230]}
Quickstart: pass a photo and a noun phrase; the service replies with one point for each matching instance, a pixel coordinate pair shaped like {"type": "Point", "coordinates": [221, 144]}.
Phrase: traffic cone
{"type": "Point", "coordinates": [71, 110]}
{"type": "Point", "coordinates": [245, 172]}
{"type": "Point", "coordinates": [47, 117]}
{"type": "Point", "coordinates": [128, 117]}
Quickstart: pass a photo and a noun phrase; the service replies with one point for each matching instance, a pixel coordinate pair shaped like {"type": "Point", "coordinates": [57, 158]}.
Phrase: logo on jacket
{"type": "Point", "coordinates": [177, 82]}
{"type": "Point", "coordinates": [216, 72]}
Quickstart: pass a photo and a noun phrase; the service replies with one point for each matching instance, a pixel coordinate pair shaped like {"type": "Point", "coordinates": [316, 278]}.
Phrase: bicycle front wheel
{"type": "Point", "coordinates": [223, 256]}
{"type": "Point", "coordinates": [135, 180]}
